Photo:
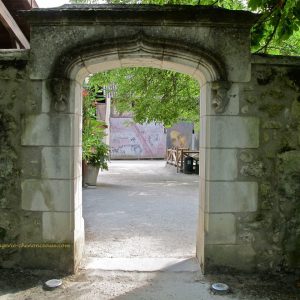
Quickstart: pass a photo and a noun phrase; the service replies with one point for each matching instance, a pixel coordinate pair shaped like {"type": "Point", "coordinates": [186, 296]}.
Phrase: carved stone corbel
{"type": "Point", "coordinates": [219, 95]}
{"type": "Point", "coordinates": [60, 91]}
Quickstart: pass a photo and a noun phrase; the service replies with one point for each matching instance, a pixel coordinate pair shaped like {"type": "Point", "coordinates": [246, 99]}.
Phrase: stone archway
{"type": "Point", "coordinates": [142, 52]}
{"type": "Point", "coordinates": [207, 44]}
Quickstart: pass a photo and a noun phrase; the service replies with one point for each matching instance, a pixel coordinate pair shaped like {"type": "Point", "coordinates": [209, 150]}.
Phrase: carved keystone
{"type": "Point", "coordinates": [220, 98]}
{"type": "Point", "coordinates": [59, 88]}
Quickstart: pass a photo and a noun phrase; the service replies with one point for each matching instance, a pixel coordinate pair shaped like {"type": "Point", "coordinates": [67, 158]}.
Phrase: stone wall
{"type": "Point", "coordinates": [250, 232]}
{"type": "Point", "coordinates": [249, 153]}
{"type": "Point", "coordinates": [22, 216]}
{"type": "Point", "coordinates": [13, 91]}
{"type": "Point", "coordinates": [210, 45]}
{"type": "Point", "coordinates": [274, 230]}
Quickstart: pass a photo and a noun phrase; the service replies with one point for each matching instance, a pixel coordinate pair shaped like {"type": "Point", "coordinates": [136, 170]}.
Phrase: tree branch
{"type": "Point", "coordinates": [265, 46]}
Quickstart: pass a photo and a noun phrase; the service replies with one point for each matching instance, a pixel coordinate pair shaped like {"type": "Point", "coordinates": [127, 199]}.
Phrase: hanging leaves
{"type": "Point", "coordinates": [153, 95]}
{"type": "Point", "coordinates": [277, 31]}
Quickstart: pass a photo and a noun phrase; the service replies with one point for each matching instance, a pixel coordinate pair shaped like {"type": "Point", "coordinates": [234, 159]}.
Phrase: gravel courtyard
{"type": "Point", "coordinates": [140, 225]}
{"type": "Point", "coordinates": [141, 209]}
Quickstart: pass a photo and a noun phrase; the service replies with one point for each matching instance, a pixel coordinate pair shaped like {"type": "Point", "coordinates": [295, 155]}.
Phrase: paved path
{"type": "Point", "coordinates": [140, 229]}
{"type": "Point", "coordinates": [141, 209]}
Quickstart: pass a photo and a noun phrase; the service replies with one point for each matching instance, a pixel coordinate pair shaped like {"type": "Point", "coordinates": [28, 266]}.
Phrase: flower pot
{"type": "Point", "coordinates": [91, 174]}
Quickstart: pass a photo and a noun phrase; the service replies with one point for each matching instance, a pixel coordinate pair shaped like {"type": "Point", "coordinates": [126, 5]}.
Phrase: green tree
{"type": "Point", "coordinates": [276, 32]}
{"type": "Point", "coordinates": [153, 95]}
{"type": "Point", "coordinates": [167, 97]}
{"type": "Point", "coordinates": [85, 1]}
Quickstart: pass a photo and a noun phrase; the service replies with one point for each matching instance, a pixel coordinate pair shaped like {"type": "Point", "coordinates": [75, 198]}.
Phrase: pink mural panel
{"type": "Point", "coordinates": [129, 140]}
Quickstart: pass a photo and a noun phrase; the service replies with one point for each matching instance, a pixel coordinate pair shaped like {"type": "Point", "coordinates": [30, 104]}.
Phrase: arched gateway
{"type": "Point", "coordinates": [71, 42]}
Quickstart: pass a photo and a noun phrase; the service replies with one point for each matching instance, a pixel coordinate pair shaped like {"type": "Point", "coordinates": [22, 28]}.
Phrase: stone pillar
{"type": "Point", "coordinates": [223, 196]}
{"type": "Point", "coordinates": [52, 181]}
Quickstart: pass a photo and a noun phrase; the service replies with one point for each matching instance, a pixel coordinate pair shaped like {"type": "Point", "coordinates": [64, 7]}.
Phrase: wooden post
{"type": "Point", "coordinates": [12, 27]}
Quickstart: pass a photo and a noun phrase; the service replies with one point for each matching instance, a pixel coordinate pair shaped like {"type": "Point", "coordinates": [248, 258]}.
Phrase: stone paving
{"type": "Point", "coordinates": [141, 209]}
{"type": "Point", "coordinates": [140, 245]}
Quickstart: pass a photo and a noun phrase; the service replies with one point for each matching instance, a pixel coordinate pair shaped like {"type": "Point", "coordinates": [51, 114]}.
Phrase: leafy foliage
{"type": "Point", "coordinates": [279, 23]}
{"type": "Point", "coordinates": [94, 151]}
{"type": "Point", "coordinates": [153, 95]}
{"type": "Point", "coordinates": [85, 1]}
{"type": "Point", "coordinates": [276, 32]}
{"type": "Point", "coordinates": [168, 97]}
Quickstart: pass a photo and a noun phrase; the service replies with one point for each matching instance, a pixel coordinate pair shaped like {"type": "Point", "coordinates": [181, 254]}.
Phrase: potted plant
{"type": "Point", "coordinates": [95, 153]}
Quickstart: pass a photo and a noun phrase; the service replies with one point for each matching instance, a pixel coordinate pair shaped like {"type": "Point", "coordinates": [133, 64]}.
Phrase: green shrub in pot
{"type": "Point", "coordinates": [95, 153]}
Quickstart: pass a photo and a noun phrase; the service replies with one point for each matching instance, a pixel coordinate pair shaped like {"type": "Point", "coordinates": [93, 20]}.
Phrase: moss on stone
{"type": "Point", "coordinates": [266, 76]}
{"type": "Point", "coordinates": [271, 125]}
{"type": "Point", "coordinates": [294, 77]}
{"type": "Point", "coordinates": [2, 234]}
{"type": "Point", "coordinates": [272, 109]}
{"type": "Point", "coordinates": [296, 110]}
{"type": "Point", "coordinates": [16, 64]}
{"type": "Point", "coordinates": [290, 162]}
{"type": "Point", "coordinates": [265, 189]}
{"type": "Point", "coordinates": [288, 189]}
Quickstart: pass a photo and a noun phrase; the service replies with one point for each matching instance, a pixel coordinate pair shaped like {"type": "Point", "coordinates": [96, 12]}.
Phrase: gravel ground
{"type": "Point", "coordinates": [141, 209]}
{"type": "Point", "coordinates": [143, 212]}
{"type": "Point", "coordinates": [102, 285]}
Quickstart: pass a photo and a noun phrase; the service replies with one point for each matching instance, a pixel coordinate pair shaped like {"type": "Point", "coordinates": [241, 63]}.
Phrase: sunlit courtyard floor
{"type": "Point", "coordinates": [140, 245]}
{"type": "Point", "coordinates": [140, 213]}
